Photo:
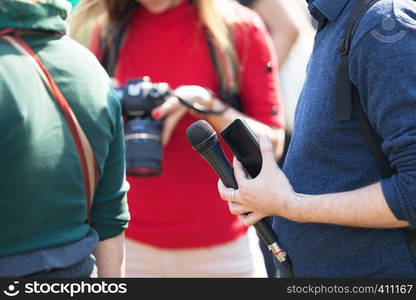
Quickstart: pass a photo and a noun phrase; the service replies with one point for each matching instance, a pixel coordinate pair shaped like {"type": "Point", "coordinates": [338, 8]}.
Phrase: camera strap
{"type": "Point", "coordinates": [199, 108]}
{"type": "Point", "coordinates": [89, 164]}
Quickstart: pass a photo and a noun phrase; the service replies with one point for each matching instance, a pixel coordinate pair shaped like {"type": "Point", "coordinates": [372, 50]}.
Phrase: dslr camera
{"type": "Point", "coordinates": [143, 133]}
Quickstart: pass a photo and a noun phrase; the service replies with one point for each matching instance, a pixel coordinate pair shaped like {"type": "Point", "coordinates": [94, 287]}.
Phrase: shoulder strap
{"type": "Point", "coordinates": [85, 152]}
{"type": "Point", "coordinates": [347, 95]}
{"type": "Point", "coordinates": [111, 43]}
{"type": "Point", "coordinates": [344, 85]}
{"type": "Point", "coordinates": [227, 79]}
{"type": "Point", "coordinates": [348, 102]}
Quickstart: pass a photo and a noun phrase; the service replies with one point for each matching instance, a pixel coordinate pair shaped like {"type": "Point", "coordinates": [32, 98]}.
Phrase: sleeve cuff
{"type": "Point", "coordinates": [105, 231]}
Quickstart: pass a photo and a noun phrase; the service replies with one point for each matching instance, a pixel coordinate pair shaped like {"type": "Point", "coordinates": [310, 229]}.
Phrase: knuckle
{"type": "Point", "coordinates": [244, 193]}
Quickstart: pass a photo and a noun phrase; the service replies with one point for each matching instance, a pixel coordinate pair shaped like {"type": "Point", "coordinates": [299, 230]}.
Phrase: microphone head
{"type": "Point", "coordinates": [199, 133]}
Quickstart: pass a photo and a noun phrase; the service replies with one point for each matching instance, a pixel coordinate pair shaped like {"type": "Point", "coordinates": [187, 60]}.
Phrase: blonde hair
{"type": "Point", "coordinates": [216, 15]}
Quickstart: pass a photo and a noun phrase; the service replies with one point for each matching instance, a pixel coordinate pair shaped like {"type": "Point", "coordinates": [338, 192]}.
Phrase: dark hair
{"type": "Point", "coordinates": [116, 8]}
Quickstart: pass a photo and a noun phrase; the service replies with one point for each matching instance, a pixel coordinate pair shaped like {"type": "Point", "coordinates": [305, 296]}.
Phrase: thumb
{"type": "Point", "coordinates": [267, 152]}
{"type": "Point", "coordinates": [170, 123]}
{"type": "Point", "coordinates": [239, 172]}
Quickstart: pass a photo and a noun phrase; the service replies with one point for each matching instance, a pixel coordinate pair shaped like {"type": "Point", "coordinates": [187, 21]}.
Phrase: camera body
{"type": "Point", "coordinates": [143, 133]}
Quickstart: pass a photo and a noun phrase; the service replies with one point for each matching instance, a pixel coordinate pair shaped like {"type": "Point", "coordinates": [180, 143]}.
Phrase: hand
{"type": "Point", "coordinates": [194, 94]}
{"type": "Point", "coordinates": [269, 194]}
{"type": "Point", "coordinates": [173, 110]}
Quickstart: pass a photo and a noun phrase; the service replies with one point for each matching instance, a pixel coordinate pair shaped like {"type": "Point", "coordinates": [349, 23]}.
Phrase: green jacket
{"type": "Point", "coordinates": [42, 196]}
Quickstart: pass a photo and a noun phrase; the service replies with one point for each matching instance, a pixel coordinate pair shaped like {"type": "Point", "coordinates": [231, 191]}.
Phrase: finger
{"type": "Point", "coordinates": [242, 219]}
{"type": "Point", "coordinates": [225, 193]}
{"type": "Point", "coordinates": [268, 155]}
{"type": "Point", "coordinates": [170, 123]}
{"type": "Point", "coordinates": [168, 107]}
{"type": "Point", "coordinates": [250, 219]}
{"type": "Point", "coordinates": [182, 91]}
{"type": "Point", "coordinates": [237, 162]}
{"type": "Point", "coordinates": [239, 172]}
{"type": "Point", "coordinates": [237, 208]}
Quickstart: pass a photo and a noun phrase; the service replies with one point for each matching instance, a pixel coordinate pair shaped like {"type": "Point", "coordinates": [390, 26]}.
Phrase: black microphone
{"type": "Point", "coordinates": [204, 140]}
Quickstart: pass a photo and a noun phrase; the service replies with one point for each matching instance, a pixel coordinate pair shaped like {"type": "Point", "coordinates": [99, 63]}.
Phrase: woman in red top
{"type": "Point", "coordinates": [179, 225]}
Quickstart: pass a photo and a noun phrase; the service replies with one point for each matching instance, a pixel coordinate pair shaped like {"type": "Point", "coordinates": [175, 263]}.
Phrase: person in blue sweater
{"type": "Point", "coordinates": [333, 213]}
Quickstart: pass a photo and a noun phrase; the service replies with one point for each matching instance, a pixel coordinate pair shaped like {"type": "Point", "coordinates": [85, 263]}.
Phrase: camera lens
{"type": "Point", "coordinates": [154, 93]}
{"type": "Point", "coordinates": [143, 133]}
{"type": "Point", "coordinates": [143, 147]}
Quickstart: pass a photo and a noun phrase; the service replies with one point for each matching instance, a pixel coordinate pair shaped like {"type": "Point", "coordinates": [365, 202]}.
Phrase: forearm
{"type": "Point", "coordinates": [219, 122]}
{"type": "Point", "coordinates": [281, 24]}
{"type": "Point", "coordinates": [284, 43]}
{"type": "Point", "coordinates": [364, 207]}
{"type": "Point", "coordinates": [110, 257]}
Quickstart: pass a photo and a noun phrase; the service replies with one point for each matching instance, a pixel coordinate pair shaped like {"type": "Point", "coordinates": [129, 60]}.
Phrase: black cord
{"type": "Point", "coordinates": [200, 108]}
{"type": "Point", "coordinates": [288, 267]}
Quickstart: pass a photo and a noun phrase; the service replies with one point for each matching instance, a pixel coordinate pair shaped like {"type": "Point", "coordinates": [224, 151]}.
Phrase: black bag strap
{"type": "Point", "coordinates": [348, 102]}
{"type": "Point", "coordinates": [226, 92]}
{"type": "Point", "coordinates": [344, 85]}
{"type": "Point", "coordinates": [110, 44]}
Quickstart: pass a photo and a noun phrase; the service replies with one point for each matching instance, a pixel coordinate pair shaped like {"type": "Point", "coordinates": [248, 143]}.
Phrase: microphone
{"type": "Point", "coordinates": [204, 140]}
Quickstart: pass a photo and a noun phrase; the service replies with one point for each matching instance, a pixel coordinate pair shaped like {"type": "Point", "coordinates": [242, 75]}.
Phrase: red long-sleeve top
{"type": "Point", "coordinates": [181, 208]}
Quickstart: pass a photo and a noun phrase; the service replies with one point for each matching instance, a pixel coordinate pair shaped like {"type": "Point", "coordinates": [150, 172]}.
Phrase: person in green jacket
{"type": "Point", "coordinates": [42, 196]}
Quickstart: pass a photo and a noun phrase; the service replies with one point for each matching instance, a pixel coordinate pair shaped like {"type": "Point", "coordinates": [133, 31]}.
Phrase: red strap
{"type": "Point", "coordinates": [7, 31]}
{"type": "Point", "coordinates": [90, 173]}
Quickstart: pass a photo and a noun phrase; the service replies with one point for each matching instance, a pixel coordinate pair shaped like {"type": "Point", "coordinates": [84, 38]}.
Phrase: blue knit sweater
{"type": "Point", "coordinates": [328, 156]}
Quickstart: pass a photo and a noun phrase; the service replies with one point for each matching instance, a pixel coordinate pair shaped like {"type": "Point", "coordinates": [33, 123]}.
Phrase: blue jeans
{"type": "Point", "coordinates": [81, 269]}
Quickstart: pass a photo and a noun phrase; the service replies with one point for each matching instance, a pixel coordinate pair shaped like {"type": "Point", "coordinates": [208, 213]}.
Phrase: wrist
{"type": "Point", "coordinates": [218, 106]}
{"type": "Point", "coordinates": [295, 210]}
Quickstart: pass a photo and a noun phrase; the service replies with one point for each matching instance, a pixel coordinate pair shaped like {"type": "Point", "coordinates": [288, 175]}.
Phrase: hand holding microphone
{"type": "Point", "coordinates": [205, 141]}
